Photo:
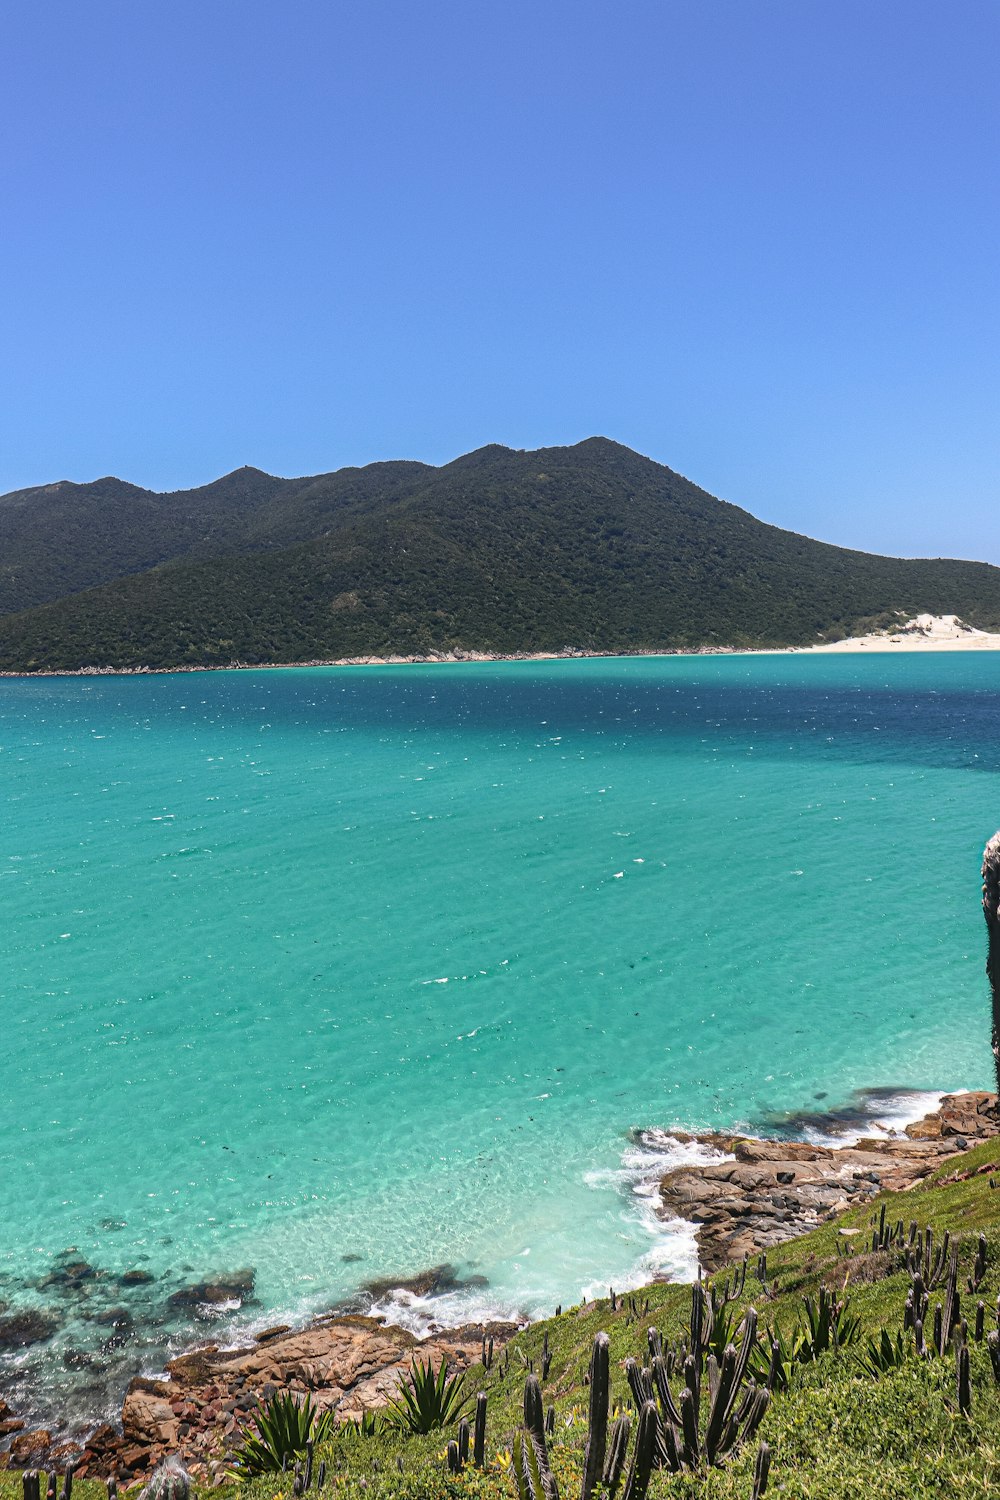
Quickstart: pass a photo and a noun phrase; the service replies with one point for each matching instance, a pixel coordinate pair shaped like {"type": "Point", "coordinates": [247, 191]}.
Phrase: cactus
{"type": "Point", "coordinates": [952, 1312]}
{"type": "Point", "coordinates": [979, 1269]}
{"type": "Point", "coordinates": [534, 1422]}
{"type": "Point", "coordinates": [761, 1470]}
{"type": "Point", "coordinates": [171, 1481]}
{"type": "Point", "coordinates": [546, 1356]}
{"type": "Point", "coordinates": [597, 1428]}
{"type": "Point", "coordinates": [529, 1474]}
{"type": "Point", "coordinates": [993, 1345]}
{"type": "Point", "coordinates": [479, 1438]}
{"type": "Point", "coordinates": [618, 1452]}
{"type": "Point", "coordinates": [453, 1457]}
{"type": "Point", "coordinates": [962, 1381]}
{"type": "Point", "coordinates": [644, 1453]}
{"type": "Point", "coordinates": [463, 1442]}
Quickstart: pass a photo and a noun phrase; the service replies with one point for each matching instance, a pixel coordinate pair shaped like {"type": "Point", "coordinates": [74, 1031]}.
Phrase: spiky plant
{"type": "Point", "coordinates": [879, 1356]}
{"type": "Point", "coordinates": [427, 1400]}
{"type": "Point", "coordinates": [281, 1430]}
{"type": "Point", "coordinates": [169, 1481]}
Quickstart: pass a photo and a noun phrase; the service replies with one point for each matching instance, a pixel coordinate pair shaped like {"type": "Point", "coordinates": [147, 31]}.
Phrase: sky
{"type": "Point", "coordinates": [757, 240]}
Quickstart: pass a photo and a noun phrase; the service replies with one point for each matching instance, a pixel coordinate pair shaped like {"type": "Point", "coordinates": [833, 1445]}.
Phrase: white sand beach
{"type": "Point", "coordinates": [922, 633]}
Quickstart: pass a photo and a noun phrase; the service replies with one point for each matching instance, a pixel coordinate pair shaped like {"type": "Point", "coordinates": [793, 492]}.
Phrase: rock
{"type": "Point", "coordinates": [236, 1286]}
{"type": "Point", "coordinates": [136, 1278]}
{"type": "Point", "coordinates": [430, 1283]}
{"type": "Point", "coordinates": [146, 1416]}
{"type": "Point", "coordinates": [113, 1317]}
{"type": "Point", "coordinates": [29, 1447]}
{"type": "Point", "coordinates": [19, 1329]}
{"type": "Point", "coordinates": [769, 1191]}
{"type": "Point", "coordinates": [70, 1274]}
{"type": "Point", "coordinates": [348, 1364]}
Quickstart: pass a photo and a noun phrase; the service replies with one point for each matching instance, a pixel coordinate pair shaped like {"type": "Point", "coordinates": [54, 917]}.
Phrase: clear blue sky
{"type": "Point", "coordinates": [758, 240]}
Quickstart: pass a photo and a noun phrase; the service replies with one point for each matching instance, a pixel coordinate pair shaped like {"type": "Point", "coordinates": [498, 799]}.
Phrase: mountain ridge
{"type": "Point", "coordinates": [502, 550]}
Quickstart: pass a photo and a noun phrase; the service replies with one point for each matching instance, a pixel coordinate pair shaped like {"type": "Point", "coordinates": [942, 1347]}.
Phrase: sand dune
{"type": "Point", "coordinates": [922, 633]}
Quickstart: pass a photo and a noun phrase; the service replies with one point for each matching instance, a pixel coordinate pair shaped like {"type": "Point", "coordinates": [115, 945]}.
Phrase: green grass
{"type": "Point", "coordinates": [836, 1435]}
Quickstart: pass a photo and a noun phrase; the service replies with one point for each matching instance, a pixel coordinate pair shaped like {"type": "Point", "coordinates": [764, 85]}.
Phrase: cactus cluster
{"type": "Point", "coordinates": [718, 1408]}
{"type": "Point", "coordinates": [170, 1481]}
{"type": "Point", "coordinates": [35, 1484]}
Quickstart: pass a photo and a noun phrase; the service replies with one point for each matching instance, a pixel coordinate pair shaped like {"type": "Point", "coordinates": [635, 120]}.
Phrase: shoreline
{"type": "Point", "coordinates": [725, 1196]}
{"type": "Point", "coordinates": [923, 633]}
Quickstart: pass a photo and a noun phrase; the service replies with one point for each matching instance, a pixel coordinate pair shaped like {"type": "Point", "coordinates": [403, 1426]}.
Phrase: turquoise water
{"type": "Point", "coordinates": [343, 973]}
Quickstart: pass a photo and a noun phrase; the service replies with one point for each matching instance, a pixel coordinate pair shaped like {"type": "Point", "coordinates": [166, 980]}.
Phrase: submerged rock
{"type": "Point", "coordinates": [434, 1282]}
{"type": "Point", "coordinates": [235, 1286]}
{"type": "Point", "coordinates": [20, 1329]}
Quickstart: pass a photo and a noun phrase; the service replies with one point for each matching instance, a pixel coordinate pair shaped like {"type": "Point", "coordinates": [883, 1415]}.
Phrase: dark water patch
{"type": "Point", "coordinates": [864, 1110]}
{"type": "Point", "coordinates": [235, 1286]}
{"type": "Point", "coordinates": [19, 1330]}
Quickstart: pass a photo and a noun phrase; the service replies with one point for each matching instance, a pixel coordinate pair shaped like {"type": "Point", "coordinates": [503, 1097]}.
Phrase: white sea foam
{"type": "Point", "coordinates": [879, 1112]}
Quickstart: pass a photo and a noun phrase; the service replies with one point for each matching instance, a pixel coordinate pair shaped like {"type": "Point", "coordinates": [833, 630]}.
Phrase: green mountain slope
{"type": "Point", "coordinates": [60, 538]}
{"type": "Point", "coordinates": [591, 547]}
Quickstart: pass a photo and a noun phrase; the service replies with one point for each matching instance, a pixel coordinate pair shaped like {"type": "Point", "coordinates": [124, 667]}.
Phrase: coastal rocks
{"type": "Point", "coordinates": [348, 1365]}
{"type": "Point", "coordinates": [765, 1192]}
{"type": "Point", "coordinates": [974, 1116]}
{"type": "Point", "coordinates": [8, 1422]}
{"type": "Point", "coordinates": [29, 1447]}
{"type": "Point", "coordinates": [147, 1416]}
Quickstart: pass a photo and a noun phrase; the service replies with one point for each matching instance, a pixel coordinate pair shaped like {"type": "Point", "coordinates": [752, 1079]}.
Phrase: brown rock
{"type": "Point", "coordinates": [148, 1418]}
{"type": "Point", "coordinates": [30, 1446]}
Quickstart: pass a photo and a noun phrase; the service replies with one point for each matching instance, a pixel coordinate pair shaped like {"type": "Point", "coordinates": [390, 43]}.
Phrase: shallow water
{"type": "Point", "coordinates": [343, 973]}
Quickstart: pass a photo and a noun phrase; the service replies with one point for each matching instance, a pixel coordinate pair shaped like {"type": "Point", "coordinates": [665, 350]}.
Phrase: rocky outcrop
{"type": "Point", "coordinates": [766, 1192]}
{"type": "Point", "coordinates": [991, 911]}
{"type": "Point", "coordinates": [348, 1365]}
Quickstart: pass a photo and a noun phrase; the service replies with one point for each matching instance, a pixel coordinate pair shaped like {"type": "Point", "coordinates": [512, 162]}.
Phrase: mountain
{"type": "Point", "coordinates": [592, 547]}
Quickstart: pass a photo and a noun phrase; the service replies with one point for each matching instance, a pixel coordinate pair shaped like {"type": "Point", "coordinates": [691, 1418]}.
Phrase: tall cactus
{"type": "Point", "coordinates": [644, 1454]}
{"type": "Point", "coordinates": [597, 1431]}
{"type": "Point", "coordinates": [479, 1441]}
{"type": "Point", "coordinates": [991, 911]}
{"type": "Point", "coordinates": [618, 1451]}
{"type": "Point", "coordinates": [534, 1448]}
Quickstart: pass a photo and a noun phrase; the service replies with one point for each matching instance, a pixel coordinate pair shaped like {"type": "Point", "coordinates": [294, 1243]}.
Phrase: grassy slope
{"type": "Point", "coordinates": [835, 1436]}
{"type": "Point", "coordinates": [593, 547]}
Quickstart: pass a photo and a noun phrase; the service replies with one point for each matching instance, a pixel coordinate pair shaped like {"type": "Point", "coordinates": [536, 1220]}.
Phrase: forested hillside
{"type": "Point", "coordinates": [591, 547]}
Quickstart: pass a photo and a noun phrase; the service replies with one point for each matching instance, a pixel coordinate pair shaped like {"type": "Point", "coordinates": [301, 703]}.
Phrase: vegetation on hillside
{"type": "Point", "coordinates": [590, 547]}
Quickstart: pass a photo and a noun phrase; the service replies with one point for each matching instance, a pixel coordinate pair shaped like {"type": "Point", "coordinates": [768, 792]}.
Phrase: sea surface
{"type": "Point", "coordinates": [341, 974]}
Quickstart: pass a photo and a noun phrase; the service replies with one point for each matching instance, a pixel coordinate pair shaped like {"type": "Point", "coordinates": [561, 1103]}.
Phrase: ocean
{"type": "Point", "coordinates": [342, 974]}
